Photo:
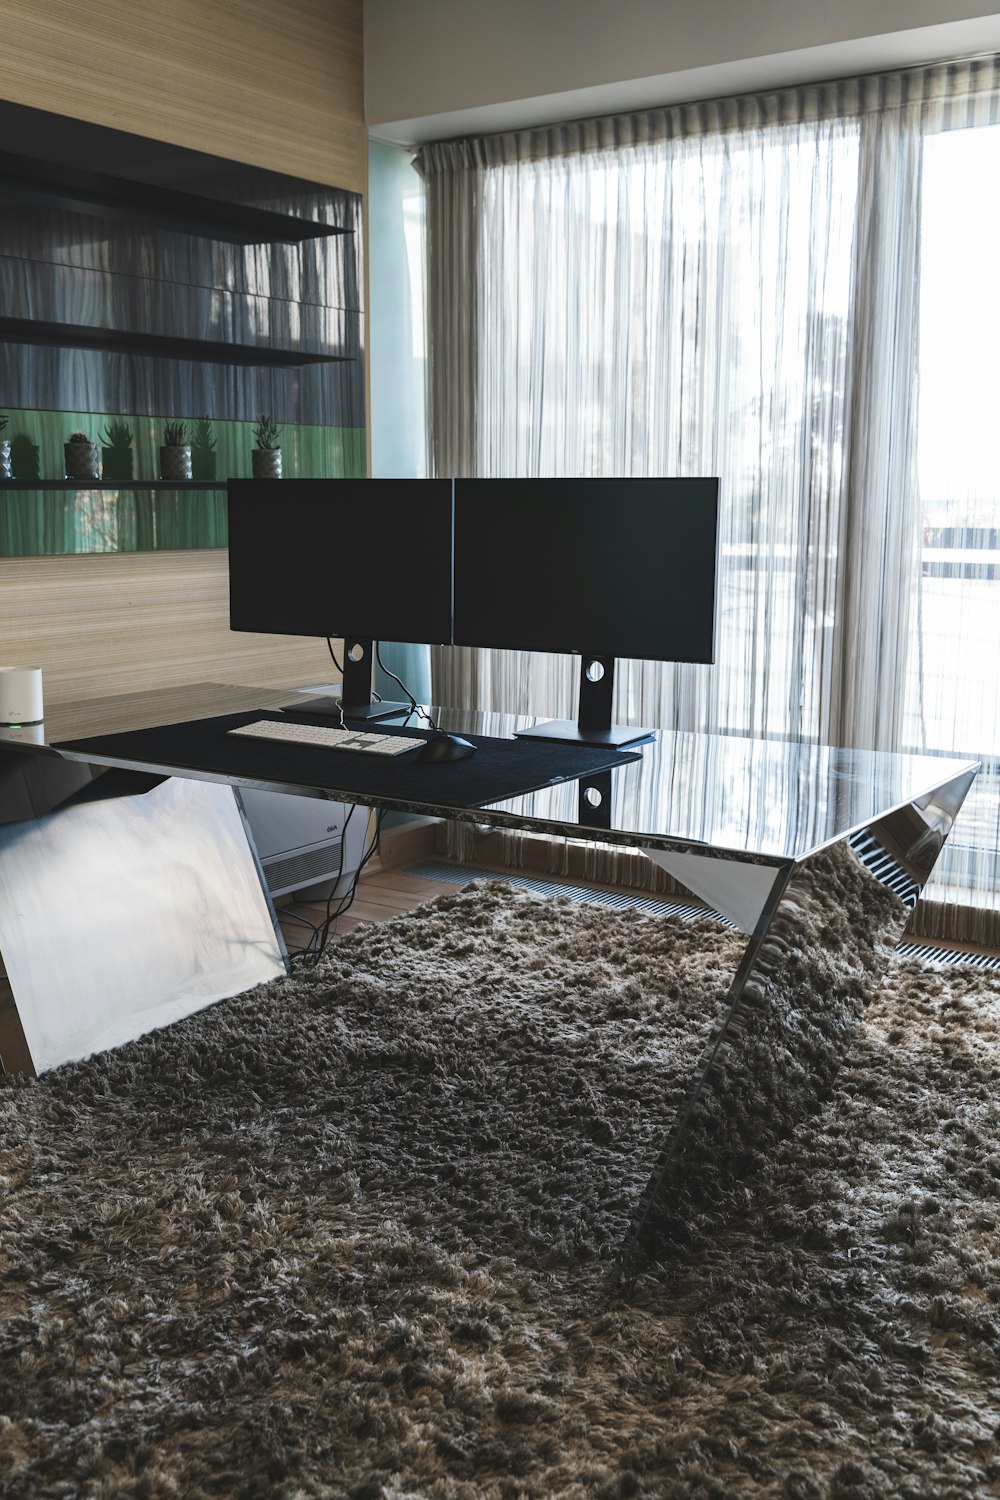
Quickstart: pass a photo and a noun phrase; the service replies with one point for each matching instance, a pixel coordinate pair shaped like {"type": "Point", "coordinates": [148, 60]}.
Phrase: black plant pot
{"type": "Point", "coordinates": [203, 463]}
{"type": "Point", "coordinates": [117, 463]}
{"type": "Point", "coordinates": [24, 457]}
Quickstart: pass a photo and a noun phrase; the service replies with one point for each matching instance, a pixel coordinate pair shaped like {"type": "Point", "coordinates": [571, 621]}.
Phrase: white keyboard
{"type": "Point", "coordinates": [329, 737]}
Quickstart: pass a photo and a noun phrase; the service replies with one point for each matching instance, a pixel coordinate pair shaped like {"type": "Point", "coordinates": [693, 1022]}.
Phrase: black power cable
{"type": "Point", "coordinates": [311, 953]}
{"type": "Point", "coordinates": [317, 943]}
{"type": "Point", "coordinates": [319, 930]}
{"type": "Point", "coordinates": [333, 656]}
{"type": "Point", "coordinates": [415, 707]}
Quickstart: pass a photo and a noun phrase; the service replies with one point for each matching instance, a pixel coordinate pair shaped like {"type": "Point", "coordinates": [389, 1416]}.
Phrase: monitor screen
{"type": "Point", "coordinates": [366, 558]}
{"type": "Point", "coordinates": [613, 567]}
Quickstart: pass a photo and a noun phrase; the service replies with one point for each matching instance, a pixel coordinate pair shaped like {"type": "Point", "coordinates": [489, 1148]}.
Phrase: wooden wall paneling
{"type": "Point", "coordinates": [123, 622]}
{"type": "Point", "coordinates": [277, 85]}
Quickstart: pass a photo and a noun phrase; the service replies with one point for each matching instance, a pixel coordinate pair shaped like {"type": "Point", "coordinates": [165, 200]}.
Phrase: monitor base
{"type": "Point", "coordinates": [331, 707]}
{"type": "Point", "coordinates": [568, 732]}
{"type": "Point", "coordinates": [383, 710]}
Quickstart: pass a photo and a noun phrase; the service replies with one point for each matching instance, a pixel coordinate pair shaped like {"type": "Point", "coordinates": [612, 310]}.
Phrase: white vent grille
{"type": "Point", "coordinates": [303, 869]}
{"type": "Point", "coordinates": [937, 955]}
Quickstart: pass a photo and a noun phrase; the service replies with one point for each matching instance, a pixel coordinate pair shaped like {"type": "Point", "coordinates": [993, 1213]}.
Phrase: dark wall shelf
{"type": "Point", "coordinates": [25, 179]}
{"type": "Point", "coordinates": [78, 336]}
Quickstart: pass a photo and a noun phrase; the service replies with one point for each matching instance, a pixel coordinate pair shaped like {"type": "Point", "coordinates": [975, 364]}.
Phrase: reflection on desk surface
{"type": "Point", "coordinates": [762, 799]}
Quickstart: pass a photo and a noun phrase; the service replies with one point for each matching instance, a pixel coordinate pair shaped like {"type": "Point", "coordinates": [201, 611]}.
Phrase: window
{"type": "Point", "coordinates": [954, 700]}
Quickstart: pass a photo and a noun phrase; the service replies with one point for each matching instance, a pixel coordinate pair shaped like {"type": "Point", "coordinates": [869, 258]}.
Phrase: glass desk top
{"type": "Point", "coordinates": [761, 801]}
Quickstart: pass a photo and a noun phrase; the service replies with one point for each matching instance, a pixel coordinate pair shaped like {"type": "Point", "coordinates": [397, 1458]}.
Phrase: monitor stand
{"type": "Point", "coordinates": [356, 689]}
{"type": "Point", "coordinates": [593, 726]}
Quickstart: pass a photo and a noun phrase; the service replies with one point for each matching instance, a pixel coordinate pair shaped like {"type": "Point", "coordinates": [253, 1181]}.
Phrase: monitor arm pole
{"type": "Point", "coordinates": [356, 688]}
{"type": "Point", "coordinates": [593, 725]}
{"type": "Point", "coordinates": [597, 691]}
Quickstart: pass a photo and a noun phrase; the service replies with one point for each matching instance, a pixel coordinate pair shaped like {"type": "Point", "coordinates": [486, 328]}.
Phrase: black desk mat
{"type": "Point", "coordinates": [499, 769]}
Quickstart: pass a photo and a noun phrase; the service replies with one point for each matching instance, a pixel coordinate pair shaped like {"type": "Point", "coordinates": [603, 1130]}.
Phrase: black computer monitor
{"type": "Point", "coordinates": [364, 559]}
{"type": "Point", "coordinates": [603, 567]}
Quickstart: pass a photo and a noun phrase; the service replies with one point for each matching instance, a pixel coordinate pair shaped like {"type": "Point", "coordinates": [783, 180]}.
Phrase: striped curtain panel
{"type": "Point", "coordinates": [738, 288]}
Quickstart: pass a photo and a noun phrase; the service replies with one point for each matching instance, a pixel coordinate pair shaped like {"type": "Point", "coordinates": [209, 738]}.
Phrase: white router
{"type": "Point", "coordinates": [21, 695]}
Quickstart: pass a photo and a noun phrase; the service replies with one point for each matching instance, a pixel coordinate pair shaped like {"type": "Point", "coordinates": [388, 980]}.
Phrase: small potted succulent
{"type": "Point", "coordinates": [82, 459]}
{"type": "Point", "coordinates": [175, 454]}
{"type": "Point", "coordinates": [117, 451]}
{"type": "Point", "coordinates": [5, 469]}
{"type": "Point", "coordinates": [266, 456]}
{"type": "Point", "coordinates": [203, 450]}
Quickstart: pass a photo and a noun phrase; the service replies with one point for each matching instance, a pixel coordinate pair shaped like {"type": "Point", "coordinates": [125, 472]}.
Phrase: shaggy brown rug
{"type": "Point", "coordinates": [347, 1236]}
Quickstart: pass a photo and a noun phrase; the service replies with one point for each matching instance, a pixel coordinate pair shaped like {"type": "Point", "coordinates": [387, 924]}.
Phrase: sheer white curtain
{"type": "Point", "coordinates": [734, 289]}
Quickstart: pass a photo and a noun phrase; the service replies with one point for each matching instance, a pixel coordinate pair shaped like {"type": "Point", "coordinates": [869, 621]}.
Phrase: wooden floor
{"type": "Point", "coordinates": [379, 897]}
{"type": "Point", "coordinates": [387, 888]}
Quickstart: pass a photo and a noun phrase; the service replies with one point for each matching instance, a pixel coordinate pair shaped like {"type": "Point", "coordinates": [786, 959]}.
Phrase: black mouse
{"type": "Point", "coordinates": [444, 747]}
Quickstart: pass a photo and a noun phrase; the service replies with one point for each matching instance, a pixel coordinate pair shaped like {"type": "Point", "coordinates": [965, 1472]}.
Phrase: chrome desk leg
{"type": "Point", "coordinates": [819, 952]}
{"type": "Point", "coordinates": [129, 904]}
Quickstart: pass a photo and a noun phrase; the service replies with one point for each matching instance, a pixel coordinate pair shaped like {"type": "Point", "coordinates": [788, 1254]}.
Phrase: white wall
{"type": "Point", "coordinates": [442, 68]}
{"type": "Point", "coordinates": [396, 344]}
{"type": "Point", "coordinates": [397, 364]}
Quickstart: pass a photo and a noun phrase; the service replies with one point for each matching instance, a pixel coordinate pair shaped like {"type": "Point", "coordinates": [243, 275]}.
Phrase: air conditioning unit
{"type": "Point", "coordinates": [304, 844]}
